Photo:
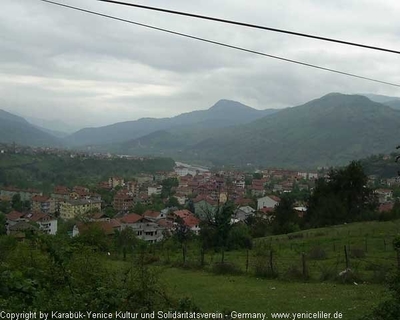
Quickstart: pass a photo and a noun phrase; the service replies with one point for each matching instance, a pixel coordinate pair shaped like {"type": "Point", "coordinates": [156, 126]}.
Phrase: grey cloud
{"type": "Point", "coordinates": [89, 70]}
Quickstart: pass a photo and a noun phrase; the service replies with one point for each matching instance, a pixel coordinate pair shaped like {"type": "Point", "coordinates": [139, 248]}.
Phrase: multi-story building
{"type": "Point", "coordinates": [123, 201]}
{"type": "Point", "coordinates": [72, 208]}
{"type": "Point", "coordinates": [144, 228]}
{"type": "Point", "coordinates": [154, 190]}
{"type": "Point", "coordinates": [43, 204]}
{"type": "Point", "coordinates": [115, 181]}
{"type": "Point", "coordinates": [26, 194]}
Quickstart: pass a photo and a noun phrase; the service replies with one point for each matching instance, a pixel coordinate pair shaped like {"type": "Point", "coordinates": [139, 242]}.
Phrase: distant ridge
{"type": "Point", "coordinates": [224, 113]}
{"type": "Point", "coordinates": [16, 129]}
{"type": "Point", "coordinates": [331, 130]}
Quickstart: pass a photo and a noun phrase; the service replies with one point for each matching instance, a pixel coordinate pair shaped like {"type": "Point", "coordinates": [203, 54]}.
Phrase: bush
{"type": "Point", "coordinates": [295, 236]}
{"type": "Point", "coordinates": [263, 269]}
{"type": "Point", "coordinates": [317, 253]}
{"type": "Point", "coordinates": [348, 276]}
{"type": "Point", "coordinates": [222, 268]}
{"type": "Point", "coordinates": [357, 253]}
{"type": "Point", "coordinates": [294, 273]}
{"type": "Point", "coordinates": [380, 273]}
{"type": "Point", "coordinates": [328, 272]}
{"type": "Point", "coordinates": [390, 309]}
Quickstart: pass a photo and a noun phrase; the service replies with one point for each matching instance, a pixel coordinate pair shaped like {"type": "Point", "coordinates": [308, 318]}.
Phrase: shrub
{"type": "Point", "coordinates": [294, 273]}
{"type": "Point", "coordinates": [222, 268]}
{"type": "Point", "coordinates": [380, 273]}
{"type": "Point", "coordinates": [263, 269]}
{"type": "Point", "coordinates": [317, 253]}
{"type": "Point", "coordinates": [295, 236]}
{"type": "Point", "coordinates": [328, 272]}
{"type": "Point", "coordinates": [357, 253]}
{"type": "Point", "coordinates": [348, 276]}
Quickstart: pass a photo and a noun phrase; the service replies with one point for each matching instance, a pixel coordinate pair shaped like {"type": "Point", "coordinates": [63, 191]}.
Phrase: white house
{"type": "Point", "coordinates": [182, 171]}
{"type": "Point", "coordinates": [154, 190]}
{"type": "Point", "coordinates": [144, 228]}
{"type": "Point", "coordinates": [267, 202]}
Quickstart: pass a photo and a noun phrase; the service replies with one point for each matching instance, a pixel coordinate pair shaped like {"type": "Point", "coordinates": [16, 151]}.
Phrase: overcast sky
{"type": "Point", "coordinates": [57, 63]}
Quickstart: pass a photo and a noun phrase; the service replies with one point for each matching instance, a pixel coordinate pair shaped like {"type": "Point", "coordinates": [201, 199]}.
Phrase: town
{"type": "Point", "coordinates": [150, 204]}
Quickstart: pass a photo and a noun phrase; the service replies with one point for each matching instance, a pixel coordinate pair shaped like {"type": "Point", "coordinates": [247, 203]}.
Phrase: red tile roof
{"type": "Point", "coordinates": [267, 210]}
{"type": "Point", "coordinates": [275, 198]}
{"type": "Point", "coordinates": [385, 207]}
{"type": "Point", "coordinates": [165, 223]}
{"type": "Point", "coordinates": [14, 215]}
{"type": "Point", "coordinates": [38, 198]}
{"type": "Point", "coordinates": [188, 218]}
{"type": "Point", "coordinates": [131, 218]}
{"type": "Point", "coordinates": [182, 213]}
{"type": "Point", "coordinates": [191, 221]}
{"type": "Point", "coordinates": [152, 214]}
{"type": "Point", "coordinates": [35, 216]}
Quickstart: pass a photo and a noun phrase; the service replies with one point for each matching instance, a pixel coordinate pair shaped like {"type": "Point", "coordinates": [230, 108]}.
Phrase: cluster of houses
{"type": "Point", "coordinates": [152, 226]}
{"type": "Point", "coordinates": [198, 190]}
{"type": "Point", "coordinates": [20, 224]}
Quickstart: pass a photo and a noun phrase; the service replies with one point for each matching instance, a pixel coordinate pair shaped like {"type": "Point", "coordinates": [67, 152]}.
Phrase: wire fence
{"type": "Point", "coordinates": [351, 259]}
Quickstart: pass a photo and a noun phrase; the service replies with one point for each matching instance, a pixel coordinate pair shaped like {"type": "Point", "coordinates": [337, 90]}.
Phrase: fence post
{"type": "Point", "coordinates": [247, 260]}
{"type": "Point", "coordinates": [303, 260]}
{"type": "Point", "coordinates": [271, 261]}
{"type": "Point", "coordinates": [347, 257]}
{"type": "Point", "coordinates": [366, 244]}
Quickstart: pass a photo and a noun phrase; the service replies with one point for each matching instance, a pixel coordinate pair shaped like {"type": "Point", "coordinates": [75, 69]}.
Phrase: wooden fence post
{"type": "Point", "coordinates": [247, 260]}
{"type": "Point", "coordinates": [303, 260]}
{"type": "Point", "coordinates": [271, 262]}
{"type": "Point", "coordinates": [347, 257]}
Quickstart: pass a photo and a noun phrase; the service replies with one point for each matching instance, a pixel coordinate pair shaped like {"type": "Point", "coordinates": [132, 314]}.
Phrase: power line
{"type": "Point", "coordinates": [249, 25]}
{"type": "Point", "coordinates": [221, 44]}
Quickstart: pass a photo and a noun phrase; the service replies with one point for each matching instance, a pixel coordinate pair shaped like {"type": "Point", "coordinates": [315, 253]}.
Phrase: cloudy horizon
{"type": "Point", "coordinates": [57, 63]}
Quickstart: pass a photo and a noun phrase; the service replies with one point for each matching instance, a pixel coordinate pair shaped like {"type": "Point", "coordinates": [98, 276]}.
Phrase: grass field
{"type": "Point", "coordinates": [369, 247]}
{"type": "Point", "coordinates": [371, 257]}
{"type": "Point", "coordinates": [248, 294]}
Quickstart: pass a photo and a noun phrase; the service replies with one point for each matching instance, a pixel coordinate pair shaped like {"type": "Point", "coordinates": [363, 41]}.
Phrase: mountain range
{"type": "Point", "coordinates": [331, 130]}
{"type": "Point", "coordinates": [224, 113]}
{"type": "Point", "coordinates": [16, 129]}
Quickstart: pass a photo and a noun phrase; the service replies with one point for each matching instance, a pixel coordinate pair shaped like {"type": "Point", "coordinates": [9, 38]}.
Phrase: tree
{"type": "Point", "coordinates": [343, 197]}
{"type": "Point", "coordinates": [240, 237]}
{"type": "Point", "coordinates": [5, 207]}
{"type": "Point", "coordinates": [257, 175]}
{"type": "Point", "coordinates": [2, 224]}
{"type": "Point", "coordinates": [16, 202]}
{"type": "Point", "coordinates": [173, 202]}
{"type": "Point", "coordinates": [217, 227]}
{"type": "Point", "coordinates": [183, 234]}
{"type": "Point", "coordinates": [167, 185]}
{"type": "Point", "coordinates": [125, 239]}
{"type": "Point", "coordinates": [285, 218]}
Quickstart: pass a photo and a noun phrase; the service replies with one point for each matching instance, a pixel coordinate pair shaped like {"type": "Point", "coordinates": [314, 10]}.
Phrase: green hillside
{"type": "Point", "coordinates": [18, 130]}
{"type": "Point", "coordinates": [328, 131]}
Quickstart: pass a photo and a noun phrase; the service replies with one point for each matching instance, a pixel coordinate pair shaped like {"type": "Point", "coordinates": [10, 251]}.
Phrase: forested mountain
{"type": "Point", "coordinates": [331, 130]}
{"type": "Point", "coordinates": [16, 129]}
{"type": "Point", "coordinates": [224, 113]}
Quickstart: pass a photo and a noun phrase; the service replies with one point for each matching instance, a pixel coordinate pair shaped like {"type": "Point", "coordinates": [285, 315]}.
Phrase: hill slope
{"type": "Point", "coordinates": [331, 130]}
{"type": "Point", "coordinates": [224, 113]}
{"type": "Point", "coordinates": [16, 129]}
{"type": "Point", "coordinates": [328, 131]}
